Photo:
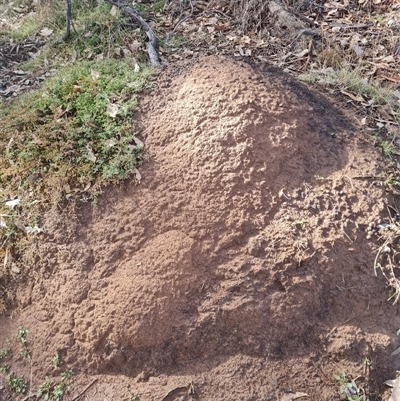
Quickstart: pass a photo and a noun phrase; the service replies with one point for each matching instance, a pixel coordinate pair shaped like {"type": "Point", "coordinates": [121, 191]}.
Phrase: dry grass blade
{"type": "Point", "coordinates": [386, 253]}
{"type": "Point", "coordinates": [250, 13]}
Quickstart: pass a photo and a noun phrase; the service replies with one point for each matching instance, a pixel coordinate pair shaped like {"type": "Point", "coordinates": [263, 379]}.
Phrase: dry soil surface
{"type": "Point", "coordinates": [237, 269]}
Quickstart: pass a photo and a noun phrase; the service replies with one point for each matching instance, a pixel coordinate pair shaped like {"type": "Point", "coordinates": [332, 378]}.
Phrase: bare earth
{"type": "Point", "coordinates": [239, 264]}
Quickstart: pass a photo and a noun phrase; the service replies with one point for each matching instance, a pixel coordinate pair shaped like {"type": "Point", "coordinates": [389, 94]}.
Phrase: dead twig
{"type": "Point", "coordinates": [68, 23]}
{"type": "Point", "coordinates": [152, 43]}
{"type": "Point", "coordinates": [390, 233]}
{"type": "Point", "coordinates": [182, 20]}
{"type": "Point", "coordinates": [68, 6]}
{"type": "Point", "coordinates": [195, 16]}
{"type": "Point", "coordinates": [84, 390]}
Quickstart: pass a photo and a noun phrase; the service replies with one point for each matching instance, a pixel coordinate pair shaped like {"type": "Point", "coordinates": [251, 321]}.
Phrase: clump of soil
{"type": "Point", "coordinates": [239, 263]}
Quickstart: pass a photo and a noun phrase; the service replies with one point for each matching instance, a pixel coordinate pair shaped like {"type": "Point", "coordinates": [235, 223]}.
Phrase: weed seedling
{"type": "Point", "coordinates": [3, 354]}
{"type": "Point", "coordinates": [59, 390]}
{"type": "Point", "coordinates": [367, 362]}
{"type": "Point", "coordinates": [26, 353]}
{"type": "Point", "coordinates": [348, 389]}
{"type": "Point", "coordinates": [67, 375]}
{"type": "Point", "coordinates": [387, 148]}
{"type": "Point", "coordinates": [21, 335]}
{"type": "Point", "coordinates": [16, 384]}
{"type": "Point", "coordinates": [391, 181]}
{"type": "Point", "coordinates": [56, 360]}
{"type": "Point", "coordinates": [50, 390]}
{"type": "Point", "coordinates": [4, 368]}
{"type": "Point", "coordinates": [45, 389]}
{"type": "Point", "coordinates": [131, 396]}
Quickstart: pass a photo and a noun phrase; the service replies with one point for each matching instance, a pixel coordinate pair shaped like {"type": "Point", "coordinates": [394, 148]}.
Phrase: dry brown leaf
{"type": "Point", "coordinates": [112, 110]}
{"type": "Point", "coordinates": [357, 49]}
{"type": "Point", "coordinates": [114, 11]}
{"type": "Point", "coordinates": [389, 59]}
{"type": "Point", "coordinates": [395, 384]}
{"type": "Point", "coordinates": [138, 142]}
{"type": "Point", "coordinates": [90, 155]}
{"type": "Point", "coordinates": [20, 225]}
{"type": "Point", "coordinates": [301, 54]}
{"type": "Point", "coordinates": [33, 230]}
{"type": "Point", "coordinates": [293, 396]}
{"type": "Point", "coordinates": [111, 142]}
{"type": "Point", "coordinates": [95, 75]}
{"type": "Point", "coordinates": [357, 98]}
{"type": "Point", "coordinates": [12, 203]}
{"type": "Point", "coordinates": [138, 176]}
{"type": "Point", "coordinates": [87, 186]}
{"type": "Point", "coordinates": [46, 32]}
{"type": "Point", "coordinates": [73, 55]}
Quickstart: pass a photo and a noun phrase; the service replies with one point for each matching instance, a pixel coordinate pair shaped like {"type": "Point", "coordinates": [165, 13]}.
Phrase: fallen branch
{"type": "Point", "coordinates": [152, 42]}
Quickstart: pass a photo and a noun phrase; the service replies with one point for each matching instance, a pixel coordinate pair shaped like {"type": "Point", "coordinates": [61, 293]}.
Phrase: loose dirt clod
{"type": "Point", "coordinates": [240, 262]}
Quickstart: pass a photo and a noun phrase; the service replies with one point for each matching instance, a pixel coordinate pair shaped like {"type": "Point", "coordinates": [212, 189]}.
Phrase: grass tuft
{"type": "Point", "coordinates": [354, 81]}
{"type": "Point", "coordinates": [75, 130]}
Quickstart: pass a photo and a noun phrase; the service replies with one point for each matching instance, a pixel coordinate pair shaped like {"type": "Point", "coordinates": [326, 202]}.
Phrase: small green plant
{"type": "Point", "coordinates": [366, 362]}
{"type": "Point", "coordinates": [391, 181]}
{"type": "Point", "coordinates": [131, 396]}
{"type": "Point", "coordinates": [16, 384]}
{"type": "Point", "coordinates": [4, 353]}
{"type": "Point", "coordinates": [172, 42]}
{"type": "Point", "coordinates": [56, 360]}
{"type": "Point", "coordinates": [59, 390]}
{"type": "Point", "coordinates": [50, 390]}
{"type": "Point", "coordinates": [77, 129]}
{"type": "Point", "coordinates": [45, 389]}
{"type": "Point", "coordinates": [26, 353]}
{"type": "Point", "coordinates": [4, 368]}
{"type": "Point", "coordinates": [150, 7]}
{"type": "Point", "coordinates": [21, 335]}
{"type": "Point", "coordinates": [379, 18]}
{"type": "Point", "coordinates": [64, 386]}
{"type": "Point", "coordinates": [387, 148]}
{"type": "Point", "coordinates": [348, 389]}
{"type": "Point", "coordinates": [67, 375]}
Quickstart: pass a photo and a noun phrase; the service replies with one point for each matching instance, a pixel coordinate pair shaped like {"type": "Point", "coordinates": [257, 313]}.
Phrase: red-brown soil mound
{"type": "Point", "coordinates": [240, 261]}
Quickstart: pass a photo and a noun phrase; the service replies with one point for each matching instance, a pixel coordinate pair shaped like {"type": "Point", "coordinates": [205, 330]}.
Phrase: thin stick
{"type": "Point", "coordinates": [84, 390]}
{"type": "Point", "coordinates": [152, 42]}
{"type": "Point", "coordinates": [67, 20]}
